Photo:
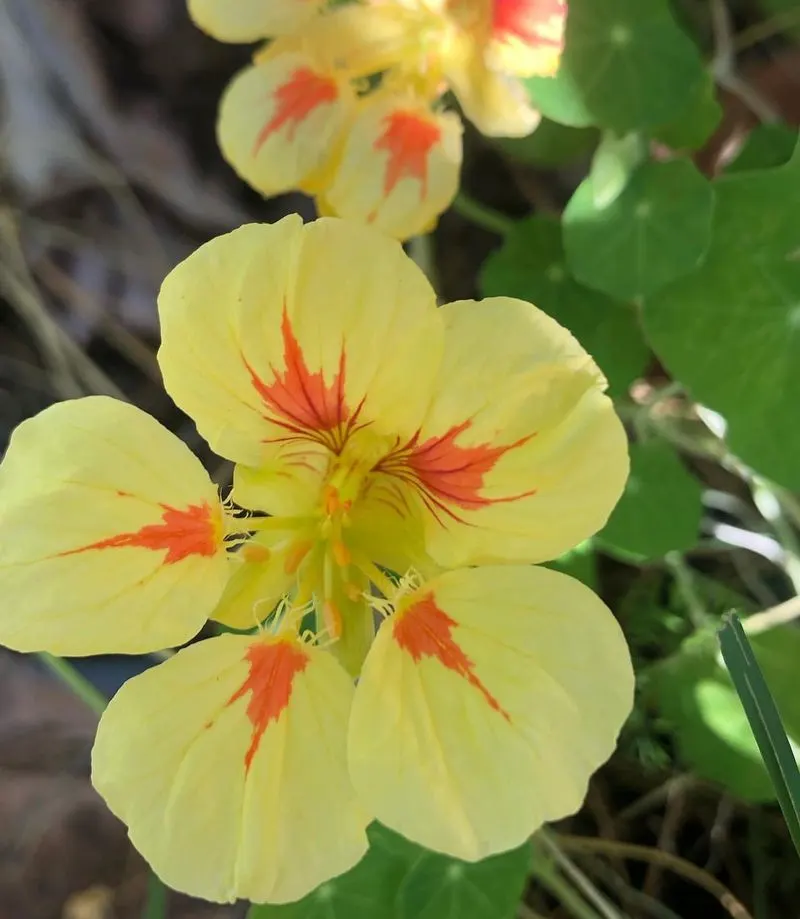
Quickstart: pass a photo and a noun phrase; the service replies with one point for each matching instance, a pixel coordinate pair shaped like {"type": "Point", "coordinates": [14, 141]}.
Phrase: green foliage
{"type": "Point", "coordinates": [767, 145]}
{"type": "Point", "coordinates": [531, 265]}
{"type": "Point", "coordinates": [730, 331]}
{"type": "Point", "coordinates": [660, 510]}
{"type": "Point", "coordinates": [697, 698]}
{"type": "Point", "coordinates": [697, 122]}
{"type": "Point", "coordinates": [655, 231]}
{"type": "Point", "coordinates": [626, 66]}
{"type": "Point", "coordinates": [399, 880]}
{"type": "Point", "coordinates": [765, 721]}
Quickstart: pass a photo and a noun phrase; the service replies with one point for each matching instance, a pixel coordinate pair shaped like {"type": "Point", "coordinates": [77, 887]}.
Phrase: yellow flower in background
{"type": "Point", "coordinates": [346, 102]}
{"type": "Point", "coordinates": [381, 445]}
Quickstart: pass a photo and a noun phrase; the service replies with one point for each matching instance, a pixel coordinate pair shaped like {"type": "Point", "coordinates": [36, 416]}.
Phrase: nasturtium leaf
{"type": "Point", "coordinates": [730, 332]}
{"type": "Point", "coordinates": [627, 65]}
{"type": "Point", "coordinates": [696, 123]}
{"type": "Point", "coordinates": [530, 265]}
{"type": "Point", "coordinates": [656, 230]}
{"type": "Point", "coordinates": [767, 145]}
{"type": "Point", "coordinates": [551, 144]}
{"type": "Point", "coordinates": [366, 891]}
{"type": "Point", "coordinates": [697, 698]}
{"type": "Point", "coordinates": [438, 887]}
{"type": "Point", "coordinates": [660, 510]}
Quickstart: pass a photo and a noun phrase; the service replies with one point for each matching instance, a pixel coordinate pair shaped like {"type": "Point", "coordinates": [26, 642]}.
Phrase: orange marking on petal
{"type": "Point", "coordinates": [424, 630]}
{"type": "Point", "coordinates": [535, 22]}
{"type": "Point", "coordinates": [302, 402]}
{"type": "Point", "coordinates": [295, 100]}
{"type": "Point", "coordinates": [273, 667]}
{"type": "Point", "coordinates": [196, 530]}
{"type": "Point", "coordinates": [408, 139]}
{"type": "Point", "coordinates": [446, 474]}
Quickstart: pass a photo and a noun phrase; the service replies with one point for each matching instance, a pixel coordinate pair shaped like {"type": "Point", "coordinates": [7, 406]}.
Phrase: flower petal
{"type": "Point", "coordinates": [282, 340]}
{"type": "Point", "coordinates": [249, 20]}
{"type": "Point", "coordinates": [521, 455]}
{"type": "Point", "coordinates": [227, 763]}
{"type": "Point", "coordinates": [485, 705]}
{"type": "Point", "coordinates": [280, 120]}
{"type": "Point", "coordinates": [399, 168]}
{"type": "Point", "coordinates": [527, 36]}
{"type": "Point", "coordinates": [494, 101]}
{"type": "Point", "coordinates": [111, 533]}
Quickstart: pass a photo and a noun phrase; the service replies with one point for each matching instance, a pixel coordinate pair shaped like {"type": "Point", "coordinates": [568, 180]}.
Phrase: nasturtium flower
{"type": "Point", "coordinates": [347, 101]}
{"type": "Point", "coordinates": [398, 466]}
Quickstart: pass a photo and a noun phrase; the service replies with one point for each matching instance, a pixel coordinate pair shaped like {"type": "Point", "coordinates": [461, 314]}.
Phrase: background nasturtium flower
{"type": "Point", "coordinates": [383, 445]}
{"type": "Point", "coordinates": [347, 101]}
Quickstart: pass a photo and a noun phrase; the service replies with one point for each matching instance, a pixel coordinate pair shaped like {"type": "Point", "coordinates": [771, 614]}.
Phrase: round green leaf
{"type": "Point", "coordinates": [656, 230]}
{"type": "Point", "coordinates": [660, 509]}
{"type": "Point", "coordinates": [697, 697]}
{"type": "Point", "coordinates": [730, 332]}
{"type": "Point", "coordinates": [530, 265]}
{"type": "Point", "coordinates": [696, 123]}
{"type": "Point", "coordinates": [767, 145]}
{"type": "Point", "coordinates": [627, 65]}
{"type": "Point", "coordinates": [438, 887]}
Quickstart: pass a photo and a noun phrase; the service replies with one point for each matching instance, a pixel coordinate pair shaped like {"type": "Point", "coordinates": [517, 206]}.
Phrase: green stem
{"type": "Point", "coordinates": [155, 906]}
{"type": "Point", "coordinates": [70, 677]}
{"type": "Point", "coordinates": [481, 215]}
{"type": "Point", "coordinates": [684, 578]}
{"type": "Point", "coordinates": [569, 898]}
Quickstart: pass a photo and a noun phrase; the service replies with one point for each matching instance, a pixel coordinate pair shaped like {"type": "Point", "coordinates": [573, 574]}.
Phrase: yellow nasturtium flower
{"type": "Point", "coordinates": [382, 447]}
{"type": "Point", "coordinates": [347, 101]}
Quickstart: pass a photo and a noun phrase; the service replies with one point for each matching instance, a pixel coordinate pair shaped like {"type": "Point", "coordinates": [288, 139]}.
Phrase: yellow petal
{"type": "Point", "coordinates": [281, 340]}
{"type": "Point", "coordinates": [227, 763]}
{"type": "Point", "coordinates": [494, 101]}
{"type": "Point", "coordinates": [110, 533]}
{"type": "Point", "coordinates": [399, 168]}
{"type": "Point", "coordinates": [527, 36]}
{"type": "Point", "coordinates": [485, 705]}
{"type": "Point", "coordinates": [521, 455]}
{"type": "Point", "coordinates": [249, 20]}
{"type": "Point", "coordinates": [280, 120]}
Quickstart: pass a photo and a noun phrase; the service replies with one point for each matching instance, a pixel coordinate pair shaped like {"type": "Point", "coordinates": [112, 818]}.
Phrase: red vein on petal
{"type": "Point", "coordinates": [301, 402]}
{"type": "Point", "coordinates": [447, 475]}
{"type": "Point", "coordinates": [182, 533]}
{"type": "Point", "coordinates": [408, 138]}
{"type": "Point", "coordinates": [535, 22]}
{"type": "Point", "coordinates": [273, 667]}
{"type": "Point", "coordinates": [295, 100]}
{"type": "Point", "coordinates": [425, 630]}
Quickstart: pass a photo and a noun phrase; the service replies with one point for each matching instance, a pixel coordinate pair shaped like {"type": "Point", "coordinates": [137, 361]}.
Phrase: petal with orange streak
{"type": "Point", "coordinates": [110, 533]}
{"type": "Point", "coordinates": [399, 168]}
{"type": "Point", "coordinates": [521, 455]}
{"type": "Point", "coordinates": [228, 765]}
{"type": "Point", "coordinates": [485, 704]}
{"type": "Point", "coordinates": [527, 36]}
{"type": "Point", "coordinates": [282, 340]}
{"type": "Point", "coordinates": [494, 101]}
{"type": "Point", "coordinates": [250, 20]}
{"type": "Point", "coordinates": [280, 120]}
